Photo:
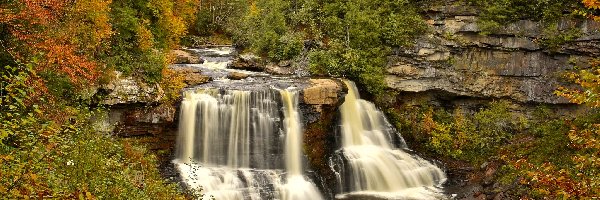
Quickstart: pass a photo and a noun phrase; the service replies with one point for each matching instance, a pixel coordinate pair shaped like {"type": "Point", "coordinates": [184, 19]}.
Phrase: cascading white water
{"type": "Point", "coordinates": [235, 129]}
{"type": "Point", "coordinates": [371, 163]}
{"type": "Point", "coordinates": [229, 145]}
{"type": "Point", "coordinates": [297, 187]}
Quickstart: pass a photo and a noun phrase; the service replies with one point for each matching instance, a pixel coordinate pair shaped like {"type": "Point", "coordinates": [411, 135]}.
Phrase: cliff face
{"type": "Point", "coordinates": [508, 63]}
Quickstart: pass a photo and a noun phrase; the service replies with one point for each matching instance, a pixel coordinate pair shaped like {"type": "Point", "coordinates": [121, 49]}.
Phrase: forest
{"type": "Point", "coordinates": [55, 55]}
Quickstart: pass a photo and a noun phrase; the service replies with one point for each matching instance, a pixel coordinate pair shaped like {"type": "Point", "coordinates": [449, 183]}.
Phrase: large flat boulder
{"type": "Point", "coordinates": [185, 57]}
{"type": "Point", "coordinates": [322, 92]}
{"type": "Point", "coordinates": [192, 76]}
{"type": "Point", "coordinates": [237, 76]}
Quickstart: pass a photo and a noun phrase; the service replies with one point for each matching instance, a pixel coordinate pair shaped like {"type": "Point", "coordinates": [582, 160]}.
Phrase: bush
{"type": "Point", "coordinates": [349, 39]}
{"type": "Point", "coordinates": [287, 47]}
{"type": "Point", "coordinates": [469, 137]}
{"type": "Point", "coordinates": [42, 158]}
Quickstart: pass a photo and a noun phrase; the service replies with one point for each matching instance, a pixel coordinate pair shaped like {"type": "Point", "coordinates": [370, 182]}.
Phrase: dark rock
{"type": "Point", "coordinates": [154, 126]}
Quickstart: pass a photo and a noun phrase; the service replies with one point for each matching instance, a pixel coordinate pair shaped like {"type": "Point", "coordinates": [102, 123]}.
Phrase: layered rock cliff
{"type": "Point", "coordinates": [507, 63]}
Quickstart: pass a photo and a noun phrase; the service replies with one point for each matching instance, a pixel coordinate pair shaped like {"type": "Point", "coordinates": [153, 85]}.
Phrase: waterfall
{"type": "Point", "coordinates": [230, 145]}
{"type": "Point", "coordinates": [296, 187]}
{"type": "Point", "coordinates": [368, 162]}
{"type": "Point", "coordinates": [235, 129]}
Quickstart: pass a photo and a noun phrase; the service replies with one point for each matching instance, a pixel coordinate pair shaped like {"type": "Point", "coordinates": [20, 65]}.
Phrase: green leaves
{"type": "Point", "coordinates": [359, 36]}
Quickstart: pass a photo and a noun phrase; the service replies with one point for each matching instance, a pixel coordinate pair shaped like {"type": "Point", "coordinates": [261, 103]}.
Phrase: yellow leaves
{"type": "Point", "coordinates": [172, 83]}
{"type": "Point", "coordinates": [592, 4]}
{"type": "Point", "coordinates": [428, 124]}
{"type": "Point", "coordinates": [145, 39]}
{"type": "Point", "coordinates": [93, 14]}
{"type": "Point", "coordinates": [589, 86]}
{"type": "Point", "coordinates": [173, 26]}
{"type": "Point", "coordinates": [186, 10]}
{"type": "Point", "coordinates": [5, 158]}
{"type": "Point", "coordinates": [253, 9]}
{"type": "Point", "coordinates": [85, 195]}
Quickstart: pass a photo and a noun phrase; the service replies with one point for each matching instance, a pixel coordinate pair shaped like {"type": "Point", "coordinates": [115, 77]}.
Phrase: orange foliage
{"type": "Point", "coordinates": [172, 83]}
{"type": "Point", "coordinates": [592, 5]}
{"type": "Point", "coordinates": [48, 30]}
{"type": "Point", "coordinates": [582, 177]}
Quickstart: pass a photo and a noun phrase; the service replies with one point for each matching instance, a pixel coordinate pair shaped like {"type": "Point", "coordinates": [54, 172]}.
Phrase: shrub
{"type": "Point", "coordinates": [42, 158]}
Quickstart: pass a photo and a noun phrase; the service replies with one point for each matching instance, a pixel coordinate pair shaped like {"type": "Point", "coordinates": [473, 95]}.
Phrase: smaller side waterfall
{"type": "Point", "coordinates": [297, 187]}
{"type": "Point", "coordinates": [369, 164]}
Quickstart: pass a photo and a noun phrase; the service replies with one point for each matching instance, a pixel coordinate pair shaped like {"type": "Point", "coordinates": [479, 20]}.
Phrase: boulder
{"type": "Point", "coordinates": [196, 79]}
{"type": "Point", "coordinates": [237, 76]}
{"type": "Point", "coordinates": [278, 70]}
{"type": "Point", "coordinates": [192, 76]}
{"type": "Point", "coordinates": [126, 90]}
{"type": "Point", "coordinates": [249, 62]}
{"type": "Point", "coordinates": [185, 57]}
{"type": "Point", "coordinates": [322, 92]}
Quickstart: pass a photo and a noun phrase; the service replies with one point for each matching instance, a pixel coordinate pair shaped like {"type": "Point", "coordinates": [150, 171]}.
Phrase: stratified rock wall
{"type": "Point", "coordinates": [508, 63]}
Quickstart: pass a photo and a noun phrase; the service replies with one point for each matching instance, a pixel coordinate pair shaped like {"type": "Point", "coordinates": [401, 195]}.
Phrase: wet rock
{"type": "Point", "coordinates": [184, 57]}
{"type": "Point", "coordinates": [192, 76]}
{"type": "Point", "coordinates": [186, 70]}
{"type": "Point", "coordinates": [248, 62]}
{"type": "Point", "coordinates": [278, 70]}
{"type": "Point", "coordinates": [196, 79]}
{"type": "Point", "coordinates": [126, 89]}
{"type": "Point", "coordinates": [237, 76]}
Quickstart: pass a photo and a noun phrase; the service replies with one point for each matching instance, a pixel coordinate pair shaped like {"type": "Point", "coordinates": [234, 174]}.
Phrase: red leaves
{"type": "Point", "coordinates": [38, 27]}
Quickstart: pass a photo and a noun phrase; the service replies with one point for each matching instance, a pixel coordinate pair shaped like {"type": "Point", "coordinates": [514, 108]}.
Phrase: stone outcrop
{"type": "Point", "coordinates": [320, 95]}
{"type": "Point", "coordinates": [192, 76]}
{"type": "Point", "coordinates": [249, 62]}
{"type": "Point", "coordinates": [153, 126]}
{"type": "Point", "coordinates": [237, 76]}
{"type": "Point", "coordinates": [277, 69]}
{"type": "Point", "coordinates": [185, 57]}
{"type": "Point", "coordinates": [126, 90]}
{"type": "Point", "coordinates": [508, 63]}
{"type": "Point", "coordinates": [322, 91]}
